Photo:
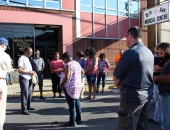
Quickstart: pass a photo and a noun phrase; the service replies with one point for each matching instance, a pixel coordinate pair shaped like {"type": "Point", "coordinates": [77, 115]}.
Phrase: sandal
{"type": "Point", "coordinates": [55, 122]}
{"type": "Point", "coordinates": [69, 124]}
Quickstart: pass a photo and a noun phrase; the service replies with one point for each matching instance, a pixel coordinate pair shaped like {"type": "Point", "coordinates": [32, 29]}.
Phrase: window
{"type": "Point", "coordinates": [86, 5]}
{"type": "Point", "coordinates": [123, 7]}
{"type": "Point", "coordinates": [53, 4]}
{"type": "Point", "coordinates": [112, 7]}
{"type": "Point", "coordinates": [36, 3]}
{"type": "Point", "coordinates": [134, 9]}
{"type": "Point", "coordinates": [17, 2]}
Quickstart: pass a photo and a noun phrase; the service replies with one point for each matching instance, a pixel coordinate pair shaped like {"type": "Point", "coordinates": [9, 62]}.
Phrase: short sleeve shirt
{"type": "Point", "coordinates": [135, 70]}
{"type": "Point", "coordinates": [56, 64]}
{"type": "Point", "coordinates": [25, 63]}
{"type": "Point", "coordinates": [164, 87]}
{"type": "Point", "coordinates": [37, 64]}
{"type": "Point", "coordinates": [5, 64]}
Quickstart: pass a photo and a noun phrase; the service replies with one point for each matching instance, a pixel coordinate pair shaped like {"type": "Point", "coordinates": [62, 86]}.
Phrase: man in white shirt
{"type": "Point", "coordinates": [5, 67]}
{"type": "Point", "coordinates": [25, 73]}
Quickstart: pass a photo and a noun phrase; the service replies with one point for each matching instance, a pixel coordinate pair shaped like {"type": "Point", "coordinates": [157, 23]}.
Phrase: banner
{"type": "Point", "coordinates": [156, 14]}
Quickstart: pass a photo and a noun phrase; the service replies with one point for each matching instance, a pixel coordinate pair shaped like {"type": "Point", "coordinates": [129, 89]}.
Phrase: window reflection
{"type": "Point", "coordinates": [53, 4]}
{"type": "Point", "coordinates": [99, 3]}
{"type": "Point", "coordinates": [39, 3]}
{"type": "Point", "coordinates": [6, 32]}
{"type": "Point", "coordinates": [18, 2]}
{"type": "Point", "coordinates": [86, 2]}
{"type": "Point", "coordinates": [98, 10]}
{"type": "Point", "coordinates": [23, 37]}
{"type": "Point", "coordinates": [86, 8]}
{"type": "Point", "coordinates": [112, 4]}
{"type": "Point", "coordinates": [134, 12]}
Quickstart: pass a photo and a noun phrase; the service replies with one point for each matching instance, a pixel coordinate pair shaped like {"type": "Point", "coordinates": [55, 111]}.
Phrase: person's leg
{"type": "Point", "coordinates": [72, 110]}
{"type": "Point", "coordinates": [40, 84]}
{"type": "Point", "coordinates": [24, 84]}
{"type": "Point", "coordinates": [143, 118]}
{"type": "Point", "coordinates": [128, 116]}
{"type": "Point", "coordinates": [29, 94]}
{"type": "Point", "coordinates": [158, 109]}
{"type": "Point", "coordinates": [3, 96]}
{"type": "Point", "coordinates": [98, 82]}
{"type": "Point", "coordinates": [82, 91]}
{"type": "Point", "coordinates": [54, 85]}
{"type": "Point", "coordinates": [7, 79]}
{"type": "Point", "coordinates": [165, 102]}
{"type": "Point", "coordinates": [89, 86]}
{"type": "Point", "coordinates": [10, 76]}
{"type": "Point", "coordinates": [78, 110]}
{"type": "Point", "coordinates": [58, 86]}
{"type": "Point", "coordinates": [103, 82]}
{"type": "Point", "coordinates": [93, 81]}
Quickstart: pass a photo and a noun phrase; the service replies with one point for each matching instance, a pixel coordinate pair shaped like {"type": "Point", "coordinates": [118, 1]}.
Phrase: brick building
{"type": "Point", "coordinates": [69, 25]}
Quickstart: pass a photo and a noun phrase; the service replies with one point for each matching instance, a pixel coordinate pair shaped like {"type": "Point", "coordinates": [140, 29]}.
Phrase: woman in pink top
{"type": "Point", "coordinates": [72, 86]}
{"type": "Point", "coordinates": [56, 67]}
{"type": "Point", "coordinates": [91, 69]}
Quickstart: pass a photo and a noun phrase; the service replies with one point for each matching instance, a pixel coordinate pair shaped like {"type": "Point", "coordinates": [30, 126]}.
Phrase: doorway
{"type": "Point", "coordinates": [46, 41]}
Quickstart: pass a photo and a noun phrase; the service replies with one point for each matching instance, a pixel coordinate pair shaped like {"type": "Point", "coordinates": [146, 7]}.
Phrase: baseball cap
{"type": "Point", "coordinates": [4, 41]}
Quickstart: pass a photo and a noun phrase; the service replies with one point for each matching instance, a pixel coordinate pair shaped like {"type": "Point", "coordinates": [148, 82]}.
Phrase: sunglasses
{"type": "Point", "coordinates": [37, 53]}
{"type": "Point", "coordinates": [127, 35]}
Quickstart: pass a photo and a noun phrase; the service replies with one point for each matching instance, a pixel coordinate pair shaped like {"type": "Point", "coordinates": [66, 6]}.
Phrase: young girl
{"type": "Point", "coordinates": [103, 66]}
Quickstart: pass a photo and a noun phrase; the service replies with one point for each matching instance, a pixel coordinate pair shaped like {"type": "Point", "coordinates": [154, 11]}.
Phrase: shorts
{"type": "Point", "coordinates": [91, 79]}
{"type": "Point", "coordinates": [40, 80]}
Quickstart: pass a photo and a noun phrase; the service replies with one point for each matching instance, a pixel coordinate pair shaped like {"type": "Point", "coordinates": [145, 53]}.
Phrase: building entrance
{"type": "Point", "coordinates": [46, 43]}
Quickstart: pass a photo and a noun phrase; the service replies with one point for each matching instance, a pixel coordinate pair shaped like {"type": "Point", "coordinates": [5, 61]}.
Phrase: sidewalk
{"type": "Point", "coordinates": [14, 89]}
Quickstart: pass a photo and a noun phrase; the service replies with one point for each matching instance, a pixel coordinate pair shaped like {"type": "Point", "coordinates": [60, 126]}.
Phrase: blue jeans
{"type": "Point", "coordinates": [9, 76]}
{"type": "Point", "coordinates": [103, 80]}
{"type": "Point", "coordinates": [158, 109]}
{"type": "Point", "coordinates": [74, 108]}
{"type": "Point", "coordinates": [165, 102]}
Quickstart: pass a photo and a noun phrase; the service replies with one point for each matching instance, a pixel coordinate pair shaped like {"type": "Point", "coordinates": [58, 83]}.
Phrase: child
{"type": "Point", "coordinates": [103, 66]}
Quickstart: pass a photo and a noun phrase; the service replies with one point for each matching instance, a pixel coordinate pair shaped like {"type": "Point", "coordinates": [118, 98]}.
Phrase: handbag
{"type": "Point", "coordinates": [35, 79]}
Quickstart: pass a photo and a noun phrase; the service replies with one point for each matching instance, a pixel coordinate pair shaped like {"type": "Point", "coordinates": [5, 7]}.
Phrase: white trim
{"type": "Point", "coordinates": [93, 28]}
{"type": "Point", "coordinates": [101, 38]}
{"type": "Point", "coordinates": [78, 30]}
{"type": "Point", "coordinates": [26, 3]}
{"type": "Point", "coordinates": [7, 2]}
{"type": "Point", "coordinates": [99, 7]}
{"type": "Point", "coordinates": [86, 5]}
{"type": "Point", "coordinates": [44, 3]}
{"type": "Point", "coordinates": [118, 19]}
{"type": "Point", "coordinates": [106, 24]}
{"type": "Point", "coordinates": [61, 5]}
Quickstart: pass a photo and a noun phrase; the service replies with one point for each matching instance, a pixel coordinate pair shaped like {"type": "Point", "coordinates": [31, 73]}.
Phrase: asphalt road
{"type": "Point", "coordinates": [100, 114]}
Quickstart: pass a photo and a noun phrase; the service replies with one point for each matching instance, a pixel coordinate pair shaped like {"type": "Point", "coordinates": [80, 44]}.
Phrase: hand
{"type": "Point", "coordinates": [155, 78]}
{"type": "Point", "coordinates": [116, 85]}
{"type": "Point", "coordinates": [32, 72]}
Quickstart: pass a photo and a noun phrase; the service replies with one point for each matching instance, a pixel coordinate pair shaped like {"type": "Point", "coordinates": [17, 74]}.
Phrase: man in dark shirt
{"type": "Point", "coordinates": [164, 85]}
{"type": "Point", "coordinates": [38, 66]}
{"type": "Point", "coordinates": [133, 75]}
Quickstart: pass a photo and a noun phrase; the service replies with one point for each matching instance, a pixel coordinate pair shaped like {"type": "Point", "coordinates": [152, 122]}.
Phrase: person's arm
{"type": "Point", "coordinates": [116, 82]}
{"type": "Point", "coordinates": [43, 65]}
{"type": "Point", "coordinates": [67, 75]}
{"type": "Point", "coordinates": [163, 78]}
{"type": "Point", "coordinates": [157, 68]}
{"type": "Point", "coordinates": [82, 72]}
{"type": "Point", "coordinates": [8, 64]}
{"type": "Point", "coordinates": [51, 68]}
{"type": "Point", "coordinates": [122, 68]}
{"type": "Point", "coordinates": [94, 66]}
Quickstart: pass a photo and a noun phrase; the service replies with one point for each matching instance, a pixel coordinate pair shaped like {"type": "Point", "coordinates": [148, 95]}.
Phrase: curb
{"type": "Point", "coordinates": [37, 94]}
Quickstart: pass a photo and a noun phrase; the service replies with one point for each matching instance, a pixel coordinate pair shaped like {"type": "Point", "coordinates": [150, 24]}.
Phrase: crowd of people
{"type": "Point", "coordinates": [138, 74]}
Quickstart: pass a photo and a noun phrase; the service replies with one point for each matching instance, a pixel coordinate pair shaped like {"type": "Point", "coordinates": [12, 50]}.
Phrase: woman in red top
{"type": "Point", "coordinates": [56, 67]}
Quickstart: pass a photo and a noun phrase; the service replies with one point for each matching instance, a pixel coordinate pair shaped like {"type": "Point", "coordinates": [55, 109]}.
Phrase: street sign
{"type": "Point", "coordinates": [157, 14]}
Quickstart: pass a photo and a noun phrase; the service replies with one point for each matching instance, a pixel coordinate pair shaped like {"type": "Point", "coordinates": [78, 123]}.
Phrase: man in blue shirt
{"type": "Point", "coordinates": [133, 76]}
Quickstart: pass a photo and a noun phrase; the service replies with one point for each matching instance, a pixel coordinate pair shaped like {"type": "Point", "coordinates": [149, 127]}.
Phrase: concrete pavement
{"type": "Point", "coordinates": [14, 89]}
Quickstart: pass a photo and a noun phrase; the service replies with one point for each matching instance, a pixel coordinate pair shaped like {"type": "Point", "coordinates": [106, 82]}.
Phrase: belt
{"type": "Point", "coordinates": [2, 78]}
